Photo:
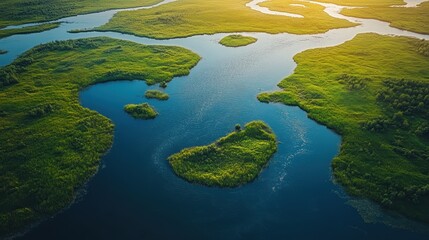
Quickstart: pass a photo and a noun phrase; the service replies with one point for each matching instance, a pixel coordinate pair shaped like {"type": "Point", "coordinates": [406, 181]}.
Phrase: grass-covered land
{"type": "Point", "coordinates": [13, 12]}
{"type": "Point", "coordinates": [415, 19]}
{"type": "Point", "coordinates": [231, 161]}
{"type": "Point", "coordinates": [32, 29]}
{"type": "Point", "coordinates": [50, 144]}
{"type": "Point", "coordinates": [364, 3]}
{"type": "Point", "coordinates": [237, 40]}
{"type": "Point", "coordinates": [141, 111]}
{"type": "Point", "coordinates": [3, 51]}
{"type": "Point", "coordinates": [376, 96]}
{"type": "Point", "coordinates": [156, 94]}
{"type": "Point", "coordinates": [193, 17]}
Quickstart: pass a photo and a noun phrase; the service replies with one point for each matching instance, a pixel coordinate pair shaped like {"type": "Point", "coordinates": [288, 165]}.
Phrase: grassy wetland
{"type": "Point", "coordinates": [51, 145]}
{"type": "Point", "coordinates": [141, 111]}
{"type": "Point", "coordinates": [376, 97]}
{"type": "Point", "coordinates": [237, 40]}
{"type": "Point", "coordinates": [25, 30]}
{"type": "Point", "coordinates": [193, 17]}
{"type": "Point", "coordinates": [231, 161]}
{"type": "Point", "coordinates": [156, 94]}
{"type": "Point", "coordinates": [14, 12]}
{"type": "Point", "coordinates": [415, 19]}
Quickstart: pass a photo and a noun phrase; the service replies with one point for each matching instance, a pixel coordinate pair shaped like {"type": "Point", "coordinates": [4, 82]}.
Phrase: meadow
{"type": "Point", "coordinates": [14, 12]}
{"type": "Point", "coordinates": [51, 145]}
{"type": "Point", "coordinates": [231, 161]}
{"type": "Point", "coordinates": [415, 19]}
{"type": "Point", "coordinates": [237, 40]}
{"type": "Point", "coordinates": [375, 96]}
{"type": "Point", "coordinates": [32, 29]}
{"type": "Point", "coordinates": [193, 17]}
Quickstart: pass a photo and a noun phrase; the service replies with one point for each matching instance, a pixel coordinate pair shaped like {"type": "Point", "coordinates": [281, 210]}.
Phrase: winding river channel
{"type": "Point", "coordinates": [135, 195]}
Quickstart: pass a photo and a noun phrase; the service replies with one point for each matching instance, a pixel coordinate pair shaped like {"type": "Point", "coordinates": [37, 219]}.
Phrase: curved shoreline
{"type": "Point", "coordinates": [192, 35]}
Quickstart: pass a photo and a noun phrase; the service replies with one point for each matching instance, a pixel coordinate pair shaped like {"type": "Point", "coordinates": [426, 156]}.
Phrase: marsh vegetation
{"type": "Point", "coordinates": [376, 97]}
{"type": "Point", "coordinates": [51, 145]}
{"type": "Point", "coordinates": [231, 161]}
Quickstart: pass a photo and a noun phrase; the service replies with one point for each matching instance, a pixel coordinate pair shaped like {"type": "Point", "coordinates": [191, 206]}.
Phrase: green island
{"type": "Point", "coordinates": [3, 51]}
{"type": "Point", "coordinates": [415, 19]}
{"type": "Point", "coordinates": [375, 96]}
{"type": "Point", "coordinates": [231, 161]}
{"type": "Point", "coordinates": [194, 17]}
{"type": "Point", "coordinates": [141, 111]}
{"type": "Point", "coordinates": [32, 29]}
{"type": "Point", "coordinates": [14, 12]}
{"type": "Point", "coordinates": [156, 94]}
{"type": "Point", "coordinates": [51, 145]}
{"type": "Point", "coordinates": [237, 40]}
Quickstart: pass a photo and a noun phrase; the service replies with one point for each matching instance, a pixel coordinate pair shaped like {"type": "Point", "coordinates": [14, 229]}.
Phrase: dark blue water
{"type": "Point", "coordinates": [135, 194]}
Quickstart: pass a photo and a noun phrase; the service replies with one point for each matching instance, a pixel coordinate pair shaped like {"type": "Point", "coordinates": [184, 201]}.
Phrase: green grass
{"type": "Point", "coordinates": [156, 94]}
{"type": "Point", "coordinates": [13, 12]}
{"type": "Point", "coordinates": [364, 3]}
{"type": "Point", "coordinates": [237, 40]}
{"type": "Point", "coordinates": [194, 17]}
{"type": "Point", "coordinates": [141, 111]}
{"type": "Point", "coordinates": [414, 19]}
{"type": "Point", "coordinates": [356, 89]}
{"type": "Point", "coordinates": [32, 29]}
{"type": "Point", "coordinates": [51, 145]}
{"type": "Point", "coordinates": [3, 51]}
{"type": "Point", "coordinates": [231, 161]}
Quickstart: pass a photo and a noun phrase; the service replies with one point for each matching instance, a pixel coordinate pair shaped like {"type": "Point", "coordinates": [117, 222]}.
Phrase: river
{"type": "Point", "coordinates": [135, 195]}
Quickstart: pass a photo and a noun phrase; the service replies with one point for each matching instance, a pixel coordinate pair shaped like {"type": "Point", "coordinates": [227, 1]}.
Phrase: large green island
{"type": "Point", "coordinates": [376, 96]}
{"type": "Point", "coordinates": [231, 161]}
{"type": "Point", "coordinates": [51, 145]}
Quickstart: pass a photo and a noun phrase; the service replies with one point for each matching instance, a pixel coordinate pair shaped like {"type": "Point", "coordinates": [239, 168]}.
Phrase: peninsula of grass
{"type": "Point", "coordinates": [415, 19]}
{"type": "Point", "coordinates": [51, 145]}
{"type": "Point", "coordinates": [14, 12]}
{"type": "Point", "coordinates": [141, 111]}
{"type": "Point", "coordinates": [195, 17]}
{"type": "Point", "coordinates": [376, 96]}
{"type": "Point", "coordinates": [231, 161]}
{"type": "Point", "coordinates": [156, 94]}
{"type": "Point", "coordinates": [32, 29]}
{"type": "Point", "coordinates": [237, 40]}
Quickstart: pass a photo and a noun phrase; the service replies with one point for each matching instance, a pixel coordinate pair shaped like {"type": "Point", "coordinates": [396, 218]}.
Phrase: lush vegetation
{"type": "Point", "coordinates": [231, 161]}
{"type": "Point", "coordinates": [376, 96]}
{"type": "Point", "coordinates": [50, 144]}
{"type": "Point", "coordinates": [237, 40]}
{"type": "Point", "coordinates": [32, 29]}
{"type": "Point", "coordinates": [193, 17]}
{"type": "Point", "coordinates": [13, 12]}
{"type": "Point", "coordinates": [415, 19]}
{"type": "Point", "coordinates": [141, 111]}
{"type": "Point", "coordinates": [156, 94]}
{"type": "Point", "coordinates": [364, 3]}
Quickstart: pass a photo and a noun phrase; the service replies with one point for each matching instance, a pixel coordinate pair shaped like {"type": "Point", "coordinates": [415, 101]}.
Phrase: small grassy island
{"type": "Point", "coordinates": [49, 144]}
{"type": "Point", "coordinates": [141, 111]}
{"type": "Point", "coordinates": [32, 29]}
{"type": "Point", "coordinates": [156, 94]}
{"type": "Point", "coordinates": [3, 51]}
{"type": "Point", "coordinates": [231, 161]}
{"type": "Point", "coordinates": [237, 40]}
{"type": "Point", "coordinates": [376, 96]}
